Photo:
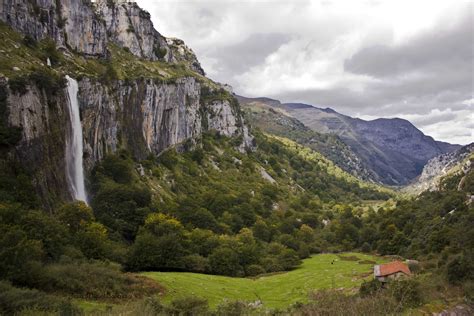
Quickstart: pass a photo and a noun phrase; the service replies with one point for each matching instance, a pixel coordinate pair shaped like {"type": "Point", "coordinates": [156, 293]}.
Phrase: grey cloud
{"type": "Point", "coordinates": [431, 71]}
{"type": "Point", "coordinates": [431, 119]}
{"type": "Point", "coordinates": [239, 57]}
{"type": "Point", "coordinates": [438, 50]}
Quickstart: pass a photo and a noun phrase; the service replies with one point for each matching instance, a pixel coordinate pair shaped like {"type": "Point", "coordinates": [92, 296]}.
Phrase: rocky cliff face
{"type": "Point", "coordinates": [143, 114]}
{"type": "Point", "coordinates": [41, 151]}
{"type": "Point", "coordinates": [88, 27]}
{"type": "Point", "coordinates": [148, 116]}
{"type": "Point", "coordinates": [442, 165]}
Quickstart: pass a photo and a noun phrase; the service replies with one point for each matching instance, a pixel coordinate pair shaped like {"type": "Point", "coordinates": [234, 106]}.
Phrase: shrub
{"type": "Point", "coordinates": [232, 308]}
{"type": "Point", "coordinates": [414, 267]}
{"type": "Point", "coordinates": [460, 269]}
{"type": "Point", "coordinates": [116, 167]}
{"type": "Point", "coordinates": [196, 263]}
{"type": "Point", "coordinates": [254, 269]}
{"type": "Point", "coordinates": [365, 247]}
{"type": "Point", "coordinates": [271, 264]}
{"type": "Point", "coordinates": [16, 253]}
{"type": "Point", "coordinates": [14, 300]}
{"type": "Point", "coordinates": [160, 52]}
{"type": "Point", "coordinates": [406, 292]}
{"type": "Point", "coordinates": [368, 288]}
{"type": "Point", "coordinates": [48, 81]}
{"type": "Point", "coordinates": [332, 302]}
{"type": "Point", "coordinates": [189, 306]}
{"type": "Point", "coordinates": [94, 280]}
{"type": "Point", "coordinates": [18, 85]}
{"type": "Point", "coordinates": [29, 41]}
{"type": "Point", "coordinates": [50, 51]}
{"type": "Point", "coordinates": [225, 261]}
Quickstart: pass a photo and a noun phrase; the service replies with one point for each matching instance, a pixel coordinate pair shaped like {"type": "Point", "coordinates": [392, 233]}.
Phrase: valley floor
{"type": "Point", "coordinates": [279, 290]}
{"type": "Point", "coordinates": [325, 271]}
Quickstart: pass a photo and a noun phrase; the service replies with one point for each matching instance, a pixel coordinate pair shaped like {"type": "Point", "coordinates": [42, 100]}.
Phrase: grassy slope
{"type": "Point", "coordinates": [275, 291]}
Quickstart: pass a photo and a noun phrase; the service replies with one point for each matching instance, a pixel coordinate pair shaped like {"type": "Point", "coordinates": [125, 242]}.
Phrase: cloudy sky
{"type": "Point", "coordinates": [411, 59]}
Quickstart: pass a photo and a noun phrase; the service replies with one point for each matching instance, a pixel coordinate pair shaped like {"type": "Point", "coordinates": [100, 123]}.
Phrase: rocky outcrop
{"type": "Point", "coordinates": [88, 27]}
{"type": "Point", "coordinates": [37, 19]}
{"type": "Point", "coordinates": [130, 26]}
{"type": "Point", "coordinates": [144, 116]}
{"type": "Point", "coordinates": [442, 165]}
{"type": "Point", "coordinates": [84, 30]}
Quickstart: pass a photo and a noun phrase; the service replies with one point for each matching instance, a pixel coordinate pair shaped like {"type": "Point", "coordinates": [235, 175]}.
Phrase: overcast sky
{"type": "Point", "coordinates": [411, 59]}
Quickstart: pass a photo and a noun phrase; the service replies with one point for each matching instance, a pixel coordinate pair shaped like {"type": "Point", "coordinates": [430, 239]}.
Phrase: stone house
{"type": "Point", "coordinates": [391, 271]}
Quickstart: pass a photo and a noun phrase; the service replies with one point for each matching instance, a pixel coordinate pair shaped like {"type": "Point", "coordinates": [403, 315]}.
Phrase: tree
{"type": "Point", "coordinates": [150, 252]}
{"type": "Point", "coordinates": [75, 215]}
{"type": "Point", "coordinates": [225, 261]}
{"type": "Point", "coordinates": [16, 253]}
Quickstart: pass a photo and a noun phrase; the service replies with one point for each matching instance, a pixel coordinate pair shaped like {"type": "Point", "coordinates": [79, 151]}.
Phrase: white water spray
{"type": "Point", "coordinates": [74, 152]}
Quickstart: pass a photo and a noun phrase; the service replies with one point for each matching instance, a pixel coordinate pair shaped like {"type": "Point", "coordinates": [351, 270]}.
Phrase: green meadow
{"type": "Point", "coordinates": [280, 290]}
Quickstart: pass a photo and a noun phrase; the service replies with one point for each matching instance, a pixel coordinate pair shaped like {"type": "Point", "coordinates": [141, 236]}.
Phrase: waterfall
{"type": "Point", "coordinates": [74, 152]}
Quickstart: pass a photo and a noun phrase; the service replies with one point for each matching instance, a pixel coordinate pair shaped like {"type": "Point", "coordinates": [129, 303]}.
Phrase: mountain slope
{"type": "Point", "coordinates": [392, 150]}
{"type": "Point", "coordinates": [266, 115]}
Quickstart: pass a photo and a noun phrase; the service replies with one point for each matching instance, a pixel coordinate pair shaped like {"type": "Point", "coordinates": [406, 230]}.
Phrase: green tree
{"type": "Point", "coordinates": [225, 261]}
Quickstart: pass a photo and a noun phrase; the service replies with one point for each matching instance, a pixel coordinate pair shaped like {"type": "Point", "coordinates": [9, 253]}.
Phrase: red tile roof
{"type": "Point", "coordinates": [392, 268]}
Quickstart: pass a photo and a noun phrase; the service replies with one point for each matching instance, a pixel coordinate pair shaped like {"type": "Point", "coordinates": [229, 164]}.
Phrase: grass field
{"type": "Point", "coordinates": [275, 291]}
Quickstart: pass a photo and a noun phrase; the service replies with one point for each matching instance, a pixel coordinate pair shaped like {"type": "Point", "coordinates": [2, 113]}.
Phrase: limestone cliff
{"type": "Point", "coordinates": [88, 27]}
{"type": "Point", "coordinates": [138, 90]}
{"type": "Point", "coordinates": [456, 162]}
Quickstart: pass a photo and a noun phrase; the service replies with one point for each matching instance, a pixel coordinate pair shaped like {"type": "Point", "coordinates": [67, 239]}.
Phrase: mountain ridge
{"type": "Point", "coordinates": [392, 148]}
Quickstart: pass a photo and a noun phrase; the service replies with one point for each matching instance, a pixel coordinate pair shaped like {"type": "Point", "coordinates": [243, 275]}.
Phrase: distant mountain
{"type": "Point", "coordinates": [458, 161]}
{"type": "Point", "coordinates": [393, 150]}
{"type": "Point", "coordinates": [267, 114]}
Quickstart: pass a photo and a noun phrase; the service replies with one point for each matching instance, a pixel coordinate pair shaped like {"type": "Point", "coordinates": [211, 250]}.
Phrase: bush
{"type": "Point", "coordinates": [365, 247]}
{"type": "Point", "coordinates": [50, 51]}
{"type": "Point", "coordinates": [368, 288]}
{"type": "Point", "coordinates": [160, 52]}
{"type": "Point", "coordinates": [460, 269]}
{"type": "Point", "coordinates": [93, 281]}
{"type": "Point", "coordinates": [254, 269]}
{"type": "Point", "coordinates": [16, 253]}
{"type": "Point", "coordinates": [225, 261]}
{"type": "Point", "coordinates": [48, 81]}
{"type": "Point", "coordinates": [406, 292]}
{"type": "Point", "coordinates": [29, 41]}
{"type": "Point", "coordinates": [116, 167]}
{"type": "Point", "coordinates": [18, 85]}
{"type": "Point", "coordinates": [14, 300]}
{"type": "Point", "coordinates": [332, 302]}
{"type": "Point", "coordinates": [189, 306]}
{"type": "Point", "coordinates": [232, 308]}
{"type": "Point", "coordinates": [196, 263]}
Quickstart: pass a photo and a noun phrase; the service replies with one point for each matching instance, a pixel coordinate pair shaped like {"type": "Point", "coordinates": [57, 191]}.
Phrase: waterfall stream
{"type": "Point", "coordinates": [74, 152]}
